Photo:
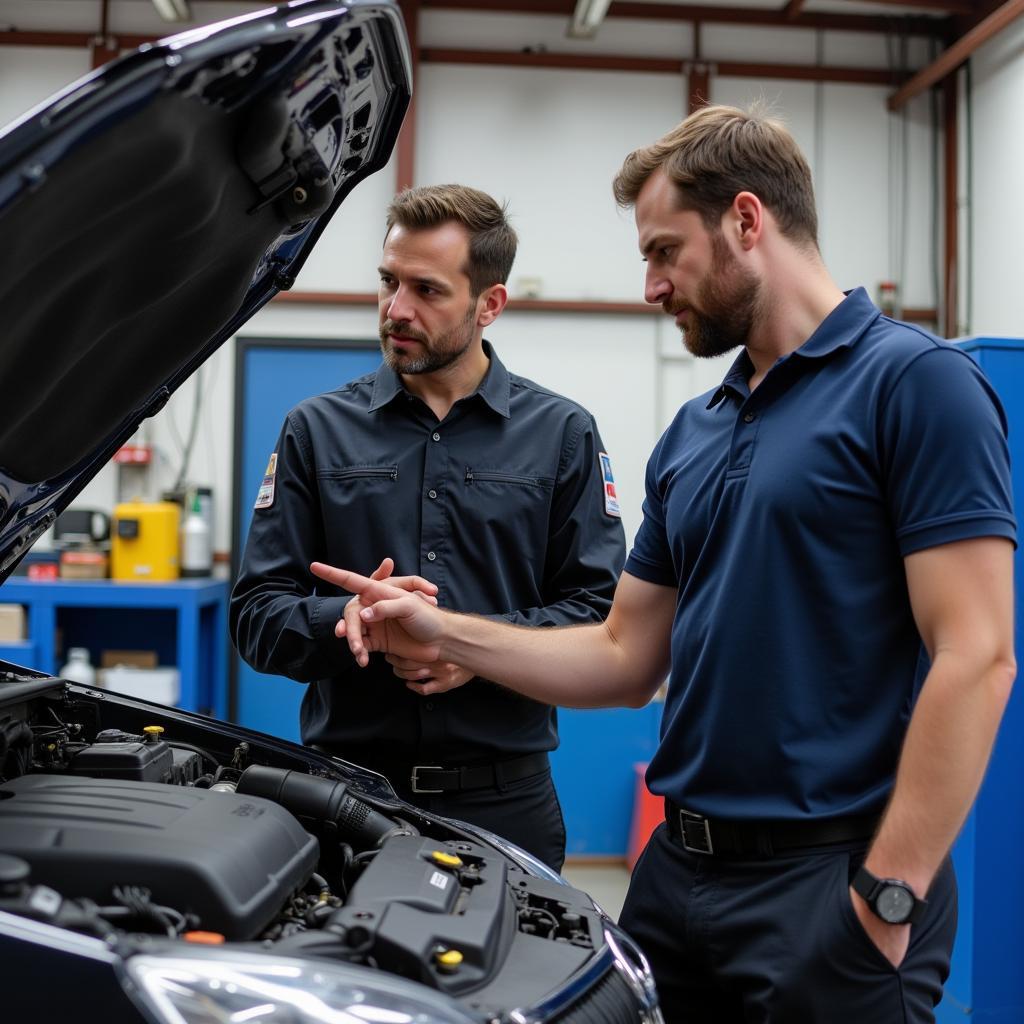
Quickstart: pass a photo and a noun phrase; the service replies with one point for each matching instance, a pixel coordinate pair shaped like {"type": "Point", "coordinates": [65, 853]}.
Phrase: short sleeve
{"type": "Point", "coordinates": [945, 457]}
{"type": "Point", "coordinates": [651, 557]}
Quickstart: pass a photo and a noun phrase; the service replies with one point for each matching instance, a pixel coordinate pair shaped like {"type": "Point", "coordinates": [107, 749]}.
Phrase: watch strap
{"type": "Point", "coordinates": [868, 886]}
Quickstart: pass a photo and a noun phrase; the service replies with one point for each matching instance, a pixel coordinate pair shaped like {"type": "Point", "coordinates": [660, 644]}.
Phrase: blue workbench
{"type": "Point", "coordinates": [186, 621]}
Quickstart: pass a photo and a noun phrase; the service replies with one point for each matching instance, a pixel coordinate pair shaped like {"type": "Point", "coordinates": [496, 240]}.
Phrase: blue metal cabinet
{"type": "Point", "coordinates": [185, 621]}
{"type": "Point", "coordinates": [986, 983]}
{"type": "Point", "coordinates": [593, 769]}
{"type": "Point", "coordinates": [271, 376]}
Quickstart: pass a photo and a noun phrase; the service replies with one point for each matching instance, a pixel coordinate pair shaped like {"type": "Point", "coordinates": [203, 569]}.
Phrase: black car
{"type": "Point", "coordinates": [156, 865]}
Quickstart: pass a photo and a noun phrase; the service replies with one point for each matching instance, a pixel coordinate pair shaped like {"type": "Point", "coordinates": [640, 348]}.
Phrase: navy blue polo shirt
{"type": "Point", "coordinates": [782, 517]}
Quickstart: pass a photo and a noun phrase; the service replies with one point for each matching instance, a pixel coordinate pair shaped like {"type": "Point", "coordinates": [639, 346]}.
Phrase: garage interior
{"type": "Point", "coordinates": [909, 114]}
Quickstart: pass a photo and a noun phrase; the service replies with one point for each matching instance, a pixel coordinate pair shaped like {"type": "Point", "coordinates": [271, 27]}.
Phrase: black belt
{"type": "Point", "coordinates": [434, 778]}
{"type": "Point", "coordinates": [717, 837]}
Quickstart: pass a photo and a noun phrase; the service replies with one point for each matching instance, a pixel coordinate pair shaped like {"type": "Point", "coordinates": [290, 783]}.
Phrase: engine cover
{"type": "Point", "coordinates": [232, 860]}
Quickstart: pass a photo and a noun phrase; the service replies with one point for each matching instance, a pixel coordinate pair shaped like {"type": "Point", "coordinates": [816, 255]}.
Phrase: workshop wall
{"type": "Point", "coordinates": [991, 288]}
{"type": "Point", "coordinates": [549, 141]}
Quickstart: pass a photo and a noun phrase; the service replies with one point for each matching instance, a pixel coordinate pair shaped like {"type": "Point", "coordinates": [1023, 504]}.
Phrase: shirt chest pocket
{"type": "Point", "coordinates": [352, 486]}
{"type": "Point", "coordinates": [509, 503]}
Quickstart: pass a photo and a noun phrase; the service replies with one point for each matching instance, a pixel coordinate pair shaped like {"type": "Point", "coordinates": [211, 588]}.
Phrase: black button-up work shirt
{"type": "Point", "coordinates": [503, 504]}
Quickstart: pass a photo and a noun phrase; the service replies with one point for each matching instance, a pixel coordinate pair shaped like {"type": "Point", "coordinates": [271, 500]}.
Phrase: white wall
{"type": "Point", "coordinates": [997, 263]}
{"type": "Point", "coordinates": [549, 141]}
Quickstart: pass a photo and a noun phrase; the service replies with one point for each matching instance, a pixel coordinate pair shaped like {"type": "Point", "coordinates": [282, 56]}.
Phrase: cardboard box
{"type": "Point", "coordinates": [162, 685]}
{"type": "Point", "coordinates": [12, 623]}
{"type": "Point", "coordinates": [84, 565]}
{"type": "Point", "coordinates": [130, 659]}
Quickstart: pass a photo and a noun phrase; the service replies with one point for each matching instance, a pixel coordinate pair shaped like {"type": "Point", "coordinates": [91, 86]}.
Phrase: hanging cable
{"type": "Point", "coordinates": [193, 430]}
{"type": "Point", "coordinates": [936, 217]}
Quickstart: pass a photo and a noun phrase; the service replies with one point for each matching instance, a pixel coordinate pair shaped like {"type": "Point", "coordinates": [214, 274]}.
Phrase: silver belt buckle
{"type": "Point", "coordinates": [695, 832]}
{"type": "Point", "coordinates": [415, 778]}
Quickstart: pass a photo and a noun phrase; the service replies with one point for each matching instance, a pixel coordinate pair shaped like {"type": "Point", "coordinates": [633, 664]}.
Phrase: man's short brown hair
{"type": "Point", "coordinates": [718, 152]}
{"type": "Point", "coordinates": [492, 242]}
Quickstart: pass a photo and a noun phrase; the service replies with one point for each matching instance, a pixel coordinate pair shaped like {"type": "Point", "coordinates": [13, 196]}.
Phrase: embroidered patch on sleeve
{"type": "Point", "coordinates": [265, 498]}
{"type": "Point", "coordinates": [611, 499]}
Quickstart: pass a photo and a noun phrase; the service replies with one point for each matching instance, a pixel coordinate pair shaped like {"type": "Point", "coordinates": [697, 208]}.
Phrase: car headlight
{"type": "Point", "coordinates": [219, 988]}
{"type": "Point", "coordinates": [633, 966]}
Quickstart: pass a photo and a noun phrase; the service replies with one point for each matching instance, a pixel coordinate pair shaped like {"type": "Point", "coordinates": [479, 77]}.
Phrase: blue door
{"type": "Point", "coordinates": [272, 376]}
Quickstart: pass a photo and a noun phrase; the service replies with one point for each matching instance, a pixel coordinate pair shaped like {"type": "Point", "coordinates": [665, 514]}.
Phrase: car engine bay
{"type": "Point", "coordinates": [119, 821]}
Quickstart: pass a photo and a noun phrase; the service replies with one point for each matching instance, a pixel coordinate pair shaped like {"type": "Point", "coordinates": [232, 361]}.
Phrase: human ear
{"type": "Point", "coordinates": [748, 216]}
{"type": "Point", "coordinates": [490, 303]}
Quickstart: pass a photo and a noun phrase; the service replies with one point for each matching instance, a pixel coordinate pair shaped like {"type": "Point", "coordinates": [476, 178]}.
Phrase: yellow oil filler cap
{"type": "Point", "coordinates": [153, 732]}
{"type": "Point", "coordinates": [446, 860]}
{"type": "Point", "coordinates": [448, 960]}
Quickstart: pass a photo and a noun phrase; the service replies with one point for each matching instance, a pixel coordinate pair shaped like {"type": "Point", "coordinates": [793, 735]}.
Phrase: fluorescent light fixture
{"type": "Point", "coordinates": [173, 10]}
{"type": "Point", "coordinates": [586, 18]}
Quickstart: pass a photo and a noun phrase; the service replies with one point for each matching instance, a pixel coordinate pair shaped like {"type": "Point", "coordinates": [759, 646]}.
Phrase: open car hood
{"type": "Point", "coordinates": [149, 209]}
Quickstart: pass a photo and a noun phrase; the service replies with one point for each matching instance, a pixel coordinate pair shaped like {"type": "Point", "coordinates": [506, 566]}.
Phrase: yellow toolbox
{"type": "Point", "coordinates": [144, 541]}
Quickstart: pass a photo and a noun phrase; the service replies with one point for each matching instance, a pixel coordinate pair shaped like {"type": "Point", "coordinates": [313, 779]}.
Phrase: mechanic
{"type": "Point", "coordinates": [498, 490]}
{"type": "Point", "coordinates": [825, 561]}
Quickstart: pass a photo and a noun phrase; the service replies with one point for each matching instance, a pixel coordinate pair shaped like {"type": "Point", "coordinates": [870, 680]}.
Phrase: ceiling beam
{"type": "Point", "coordinates": [656, 65]}
{"type": "Point", "coordinates": [946, 6]}
{"type": "Point", "coordinates": [912, 24]}
{"type": "Point", "coordinates": [565, 61]}
{"type": "Point", "coordinates": [600, 307]}
{"type": "Point", "coordinates": [949, 60]}
{"type": "Point", "coordinates": [903, 24]}
{"type": "Point", "coordinates": [807, 73]}
{"type": "Point", "coordinates": [74, 40]}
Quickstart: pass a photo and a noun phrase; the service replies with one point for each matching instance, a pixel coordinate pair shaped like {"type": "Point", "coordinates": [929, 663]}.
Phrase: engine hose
{"type": "Point", "coordinates": [323, 801]}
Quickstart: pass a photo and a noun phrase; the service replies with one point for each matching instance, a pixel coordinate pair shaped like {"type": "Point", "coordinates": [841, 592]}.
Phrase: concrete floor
{"type": "Point", "coordinates": [606, 883]}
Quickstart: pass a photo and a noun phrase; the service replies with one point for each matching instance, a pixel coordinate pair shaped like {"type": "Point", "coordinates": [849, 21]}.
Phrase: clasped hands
{"type": "Point", "coordinates": [373, 621]}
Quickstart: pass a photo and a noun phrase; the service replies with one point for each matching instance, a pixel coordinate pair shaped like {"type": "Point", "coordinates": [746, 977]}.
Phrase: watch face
{"type": "Point", "coordinates": [894, 904]}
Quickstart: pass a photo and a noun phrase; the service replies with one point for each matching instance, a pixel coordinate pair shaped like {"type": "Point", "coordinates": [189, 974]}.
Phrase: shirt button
{"type": "Point", "coordinates": [429, 706]}
{"type": "Point", "coordinates": [436, 436]}
{"type": "Point", "coordinates": [431, 556]}
{"type": "Point", "coordinates": [748, 417]}
{"type": "Point", "coordinates": [431, 494]}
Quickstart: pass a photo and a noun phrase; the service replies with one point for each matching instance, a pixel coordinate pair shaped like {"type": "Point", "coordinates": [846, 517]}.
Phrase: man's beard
{"type": "Point", "coordinates": [729, 300]}
{"type": "Point", "coordinates": [437, 353]}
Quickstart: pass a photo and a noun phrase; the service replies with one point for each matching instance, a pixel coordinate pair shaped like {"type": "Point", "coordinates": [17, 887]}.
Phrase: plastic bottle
{"type": "Point", "coordinates": [196, 550]}
{"type": "Point", "coordinates": [78, 668]}
{"type": "Point", "coordinates": [888, 298]}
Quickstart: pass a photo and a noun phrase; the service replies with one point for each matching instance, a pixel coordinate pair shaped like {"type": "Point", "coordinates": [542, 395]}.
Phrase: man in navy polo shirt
{"type": "Point", "coordinates": [825, 563]}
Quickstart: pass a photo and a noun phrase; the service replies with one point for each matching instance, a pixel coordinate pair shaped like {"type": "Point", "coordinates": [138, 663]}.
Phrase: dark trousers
{"type": "Point", "coordinates": [526, 812]}
{"type": "Point", "coordinates": [776, 941]}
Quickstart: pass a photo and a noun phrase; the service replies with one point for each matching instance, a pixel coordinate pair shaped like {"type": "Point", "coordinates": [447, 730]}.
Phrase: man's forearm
{"type": "Point", "coordinates": [944, 757]}
{"type": "Point", "coordinates": [620, 661]}
{"type": "Point", "coordinates": [573, 666]}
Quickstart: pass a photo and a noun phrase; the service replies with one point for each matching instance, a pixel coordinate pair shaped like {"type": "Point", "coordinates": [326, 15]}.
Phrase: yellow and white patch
{"type": "Point", "coordinates": [265, 498]}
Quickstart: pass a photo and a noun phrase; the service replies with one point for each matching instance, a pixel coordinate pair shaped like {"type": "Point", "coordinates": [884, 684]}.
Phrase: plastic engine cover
{"type": "Point", "coordinates": [231, 860]}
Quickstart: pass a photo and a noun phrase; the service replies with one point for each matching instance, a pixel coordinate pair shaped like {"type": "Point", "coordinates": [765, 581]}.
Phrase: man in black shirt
{"type": "Point", "coordinates": [494, 489]}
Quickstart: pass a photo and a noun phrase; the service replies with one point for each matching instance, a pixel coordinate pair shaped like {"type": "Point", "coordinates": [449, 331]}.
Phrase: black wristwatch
{"type": "Point", "coordinates": [889, 898]}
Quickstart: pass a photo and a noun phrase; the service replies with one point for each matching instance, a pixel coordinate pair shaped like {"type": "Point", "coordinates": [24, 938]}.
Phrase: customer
{"type": "Point", "coordinates": [825, 562]}
{"type": "Point", "coordinates": [480, 480]}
